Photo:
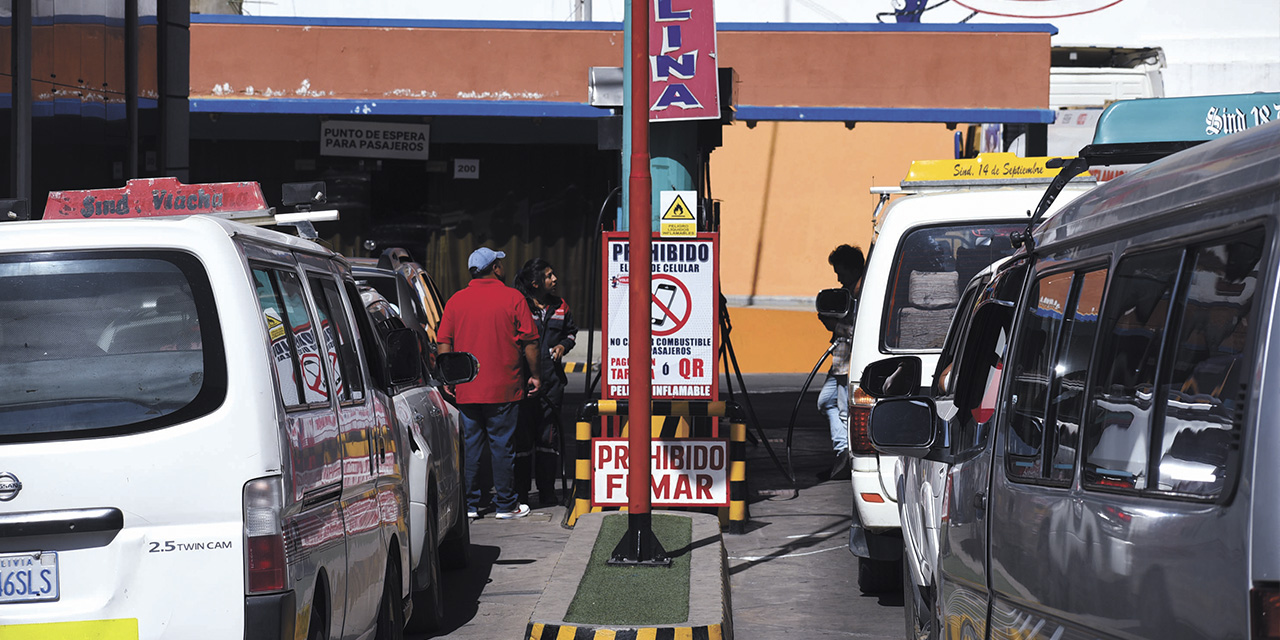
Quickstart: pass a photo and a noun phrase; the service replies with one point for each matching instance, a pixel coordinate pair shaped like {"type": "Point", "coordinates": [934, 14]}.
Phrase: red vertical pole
{"type": "Point", "coordinates": [641, 240]}
{"type": "Point", "coordinates": [638, 545]}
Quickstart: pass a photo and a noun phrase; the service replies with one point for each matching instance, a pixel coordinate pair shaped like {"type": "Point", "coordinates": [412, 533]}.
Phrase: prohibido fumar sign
{"type": "Point", "coordinates": [685, 473]}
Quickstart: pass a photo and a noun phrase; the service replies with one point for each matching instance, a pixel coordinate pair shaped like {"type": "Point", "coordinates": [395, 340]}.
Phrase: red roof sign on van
{"type": "Point", "coordinates": [153, 197]}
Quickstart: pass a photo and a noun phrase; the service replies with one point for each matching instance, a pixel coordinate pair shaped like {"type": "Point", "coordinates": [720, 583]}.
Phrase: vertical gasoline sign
{"type": "Point", "coordinates": [683, 312]}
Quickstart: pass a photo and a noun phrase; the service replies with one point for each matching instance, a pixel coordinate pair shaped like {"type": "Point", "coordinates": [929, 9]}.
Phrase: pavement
{"type": "Point", "coordinates": [791, 573]}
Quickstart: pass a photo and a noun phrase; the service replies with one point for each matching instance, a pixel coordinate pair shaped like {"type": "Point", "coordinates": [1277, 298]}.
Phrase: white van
{"type": "Point", "coordinates": [953, 220]}
{"type": "Point", "coordinates": [191, 441]}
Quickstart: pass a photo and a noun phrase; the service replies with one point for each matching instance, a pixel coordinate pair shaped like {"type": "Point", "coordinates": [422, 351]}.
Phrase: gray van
{"type": "Point", "coordinates": [1108, 472]}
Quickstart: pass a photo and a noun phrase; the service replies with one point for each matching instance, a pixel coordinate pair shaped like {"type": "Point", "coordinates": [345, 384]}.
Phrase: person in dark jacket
{"type": "Point", "coordinates": [540, 412]}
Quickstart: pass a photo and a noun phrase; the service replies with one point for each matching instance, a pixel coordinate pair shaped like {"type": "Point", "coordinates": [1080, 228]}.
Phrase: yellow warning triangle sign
{"type": "Point", "coordinates": [678, 210]}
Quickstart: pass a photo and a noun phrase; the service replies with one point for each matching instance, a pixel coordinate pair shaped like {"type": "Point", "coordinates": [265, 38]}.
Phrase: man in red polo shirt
{"type": "Point", "coordinates": [492, 322]}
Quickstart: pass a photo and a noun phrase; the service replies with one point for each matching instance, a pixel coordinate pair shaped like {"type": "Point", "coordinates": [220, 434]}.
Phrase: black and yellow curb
{"type": "Point", "coordinates": [710, 605]}
{"type": "Point", "coordinates": [668, 422]}
{"type": "Point", "coordinates": [565, 632]}
{"type": "Point", "coordinates": [580, 367]}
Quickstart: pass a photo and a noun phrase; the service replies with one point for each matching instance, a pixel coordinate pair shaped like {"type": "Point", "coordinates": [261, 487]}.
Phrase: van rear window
{"type": "Point", "coordinates": [932, 267]}
{"type": "Point", "coordinates": [102, 343]}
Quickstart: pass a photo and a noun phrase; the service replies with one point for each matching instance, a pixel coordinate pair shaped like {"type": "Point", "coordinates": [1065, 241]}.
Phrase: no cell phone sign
{"type": "Point", "coordinates": [683, 316]}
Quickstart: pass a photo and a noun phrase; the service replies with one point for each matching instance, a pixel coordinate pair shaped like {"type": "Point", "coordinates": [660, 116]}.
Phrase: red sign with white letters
{"type": "Point", "coordinates": [152, 197]}
{"type": "Point", "coordinates": [686, 472]}
{"type": "Point", "coordinates": [683, 81]}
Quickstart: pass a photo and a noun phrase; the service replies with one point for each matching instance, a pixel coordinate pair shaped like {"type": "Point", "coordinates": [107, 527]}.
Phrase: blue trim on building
{"type": "Point", "coordinates": [547, 25]}
{"type": "Point", "coordinates": [888, 114]}
{"type": "Point", "coordinates": [48, 21]}
{"type": "Point", "coordinates": [75, 107]}
{"type": "Point", "coordinates": [399, 107]}
{"type": "Point", "coordinates": [537, 109]}
{"type": "Point", "coordinates": [877, 27]}
{"type": "Point", "coordinates": [407, 23]}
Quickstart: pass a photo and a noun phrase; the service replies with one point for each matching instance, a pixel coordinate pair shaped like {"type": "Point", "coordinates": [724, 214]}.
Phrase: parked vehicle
{"type": "Point", "coordinates": [1108, 477]}
{"type": "Point", "coordinates": [193, 402]}
{"type": "Point", "coordinates": [440, 534]}
{"type": "Point", "coordinates": [409, 287]}
{"type": "Point", "coordinates": [952, 221]}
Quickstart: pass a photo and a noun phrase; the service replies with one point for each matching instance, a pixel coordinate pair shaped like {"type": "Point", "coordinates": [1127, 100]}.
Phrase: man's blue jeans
{"type": "Point", "coordinates": [492, 427]}
{"type": "Point", "coordinates": [833, 401]}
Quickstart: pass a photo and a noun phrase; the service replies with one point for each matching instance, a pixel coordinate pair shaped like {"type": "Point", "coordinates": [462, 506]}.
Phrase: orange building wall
{"type": "Point", "coordinates": [791, 191]}
{"type": "Point", "coordinates": [397, 63]}
{"type": "Point", "coordinates": [853, 68]}
{"type": "Point", "coordinates": [889, 69]}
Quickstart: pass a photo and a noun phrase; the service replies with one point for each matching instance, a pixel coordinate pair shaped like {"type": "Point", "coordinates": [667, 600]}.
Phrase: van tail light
{"type": "Point", "coordinates": [1265, 602]}
{"type": "Point", "coordinates": [265, 564]}
{"type": "Point", "coordinates": [859, 419]}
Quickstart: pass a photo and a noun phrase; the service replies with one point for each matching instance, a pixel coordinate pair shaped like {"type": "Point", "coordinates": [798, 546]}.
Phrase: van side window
{"type": "Point", "coordinates": [1209, 373]}
{"type": "Point", "coordinates": [1071, 374]}
{"type": "Point", "coordinates": [1032, 368]}
{"type": "Point", "coordinates": [979, 377]}
{"type": "Point", "coordinates": [293, 345]}
{"type": "Point", "coordinates": [1117, 435]}
{"type": "Point", "coordinates": [981, 360]}
{"type": "Point", "coordinates": [373, 345]}
{"type": "Point", "coordinates": [944, 373]}
{"type": "Point", "coordinates": [338, 341]}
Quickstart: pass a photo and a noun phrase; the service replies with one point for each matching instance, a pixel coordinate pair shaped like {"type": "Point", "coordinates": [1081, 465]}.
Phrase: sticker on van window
{"type": "Point", "coordinates": [282, 356]}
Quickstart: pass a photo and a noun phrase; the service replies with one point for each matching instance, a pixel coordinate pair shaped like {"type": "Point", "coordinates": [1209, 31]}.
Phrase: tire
{"type": "Point", "coordinates": [917, 607]}
{"type": "Point", "coordinates": [879, 576]}
{"type": "Point", "coordinates": [428, 604]}
{"type": "Point", "coordinates": [317, 627]}
{"type": "Point", "coordinates": [455, 551]}
{"type": "Point", "coordinates": [391, 611]}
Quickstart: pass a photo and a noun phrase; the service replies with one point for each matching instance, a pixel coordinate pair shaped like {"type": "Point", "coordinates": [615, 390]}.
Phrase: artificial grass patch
{"type": "Point", "coordinates": [622, 596]}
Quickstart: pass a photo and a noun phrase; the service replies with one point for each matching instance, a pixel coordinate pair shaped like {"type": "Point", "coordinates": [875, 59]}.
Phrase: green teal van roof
{"type": "Point", "coordinates": [1195, 118]}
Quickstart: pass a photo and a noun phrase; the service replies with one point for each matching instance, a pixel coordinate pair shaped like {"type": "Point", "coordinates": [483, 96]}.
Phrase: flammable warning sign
{"type": "Point", "coordinates": [677, 219]}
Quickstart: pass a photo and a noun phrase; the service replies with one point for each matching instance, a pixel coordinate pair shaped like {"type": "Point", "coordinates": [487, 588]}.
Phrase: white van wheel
{"type": "Point", "coordinates": [455, 551]}
{"type": "Point", "coordinates": [428, 604]}
{"type": "Point", "coordinates": [391, 611]}
{"type": "Point", "coordinates": [917, 607]}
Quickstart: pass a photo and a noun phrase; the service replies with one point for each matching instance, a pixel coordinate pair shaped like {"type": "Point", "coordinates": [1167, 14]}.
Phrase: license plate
{"type": "Point", "coordinates": [28, 577]}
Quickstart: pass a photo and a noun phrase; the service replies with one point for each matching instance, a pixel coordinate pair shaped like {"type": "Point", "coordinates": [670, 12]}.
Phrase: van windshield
{"type": "Point", "coordinates": [932, 267]}
{"type": "Point", "coordinates": [99, 343]}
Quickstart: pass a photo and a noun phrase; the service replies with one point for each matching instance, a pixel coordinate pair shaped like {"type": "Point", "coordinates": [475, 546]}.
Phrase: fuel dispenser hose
{"type": "Point", "coordinates": [791, 426]}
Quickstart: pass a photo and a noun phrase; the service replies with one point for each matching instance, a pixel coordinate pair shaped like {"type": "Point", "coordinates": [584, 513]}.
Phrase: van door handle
{"type": "Point", "coordinates": [980, 501]}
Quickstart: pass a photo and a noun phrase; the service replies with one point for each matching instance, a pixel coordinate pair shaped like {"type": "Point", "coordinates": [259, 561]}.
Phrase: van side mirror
{"type": "Point", "coordinates": [892, 377]}
{"type": "Point", "coordinates": [904, 426]}
{"type": "Point", "coordinates": [404, 356]}
{"type": "Point", "coordinates": [834, 303]}
{"type": "Point", "coordinates": [456, 367]}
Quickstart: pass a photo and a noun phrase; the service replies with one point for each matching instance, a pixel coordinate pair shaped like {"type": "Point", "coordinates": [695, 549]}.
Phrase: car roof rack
{"type": "Point", "coordinates": [1144, 130]}
{"type": "Point", "coordinates": [162, 197]}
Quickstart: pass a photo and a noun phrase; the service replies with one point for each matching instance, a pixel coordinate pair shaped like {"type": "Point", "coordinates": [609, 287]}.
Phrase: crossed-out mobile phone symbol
{"type": "Point", "coordinates": [671, 306]}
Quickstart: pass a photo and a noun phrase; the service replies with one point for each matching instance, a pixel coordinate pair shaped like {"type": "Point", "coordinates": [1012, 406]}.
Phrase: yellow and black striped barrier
{"type": "Point", "coordinates": [555, 632]}
{"type": "Point", "coordinates": [581, 367]}
{"type": "Point", "coordinates": [670, 420]}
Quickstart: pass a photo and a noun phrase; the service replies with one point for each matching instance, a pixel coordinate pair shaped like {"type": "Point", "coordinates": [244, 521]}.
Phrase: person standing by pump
{"type": "Point", "coordinates": [540, 412]}
{"type": "Point", "coordinates": [833, 401]}
{"type": "Point", "coordinates": [491, 320]}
